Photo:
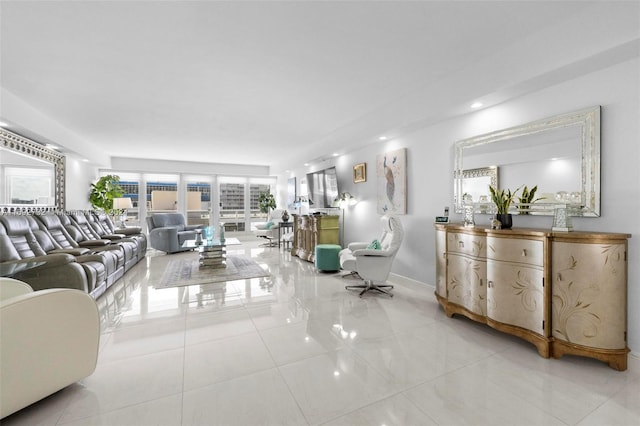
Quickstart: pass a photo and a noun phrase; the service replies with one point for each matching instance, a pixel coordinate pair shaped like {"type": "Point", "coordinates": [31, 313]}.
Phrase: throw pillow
{"type": "Point", "coordinates": [269, 225]}
{"type": "Point", "coordinates": [374, 245]}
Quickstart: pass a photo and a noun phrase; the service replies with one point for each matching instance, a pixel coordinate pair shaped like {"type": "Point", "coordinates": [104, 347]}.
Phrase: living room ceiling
{"type": "Point", "coordinates": [274, 83]}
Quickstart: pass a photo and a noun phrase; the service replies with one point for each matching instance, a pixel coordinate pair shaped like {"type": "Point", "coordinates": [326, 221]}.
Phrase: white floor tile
{"type": "Point", "coordinates": [262, 398]}
{"type": "Point", "coordinates": [203, 326]}
{"type": "Point", "coordinates": [333, 384]}
{"type": "Point", "coordinates": [159, 412]}
{"type": "Point", "coordinates": [298, 341]}
{"type": "Point", "coordinates": [393, 411]}
{"type": "Point", "coordinates": [224, 359]}
{"type": "Point", "coordinates": [468, 397]}
{"type": "Point", "coordinates": [127, 382]}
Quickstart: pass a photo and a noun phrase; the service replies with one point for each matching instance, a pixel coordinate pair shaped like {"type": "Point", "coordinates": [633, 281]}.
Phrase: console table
{"type": "Point", "coordinates": [311, 230]}
{"type": "Point", "coordinates": [565, 292]}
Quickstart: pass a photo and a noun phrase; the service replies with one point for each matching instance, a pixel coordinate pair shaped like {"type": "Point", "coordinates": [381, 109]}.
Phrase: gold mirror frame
{"type": "Point", "coordinates": [23, 146]}
{"type": "Point", "coordinates": [589, 122]}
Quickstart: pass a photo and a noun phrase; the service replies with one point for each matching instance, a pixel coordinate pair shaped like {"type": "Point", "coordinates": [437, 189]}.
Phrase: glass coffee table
{"type": "Point", "coordinates": [212, 253]}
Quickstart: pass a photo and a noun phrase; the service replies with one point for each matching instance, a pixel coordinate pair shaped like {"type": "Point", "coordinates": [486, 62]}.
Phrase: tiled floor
{"type": "Point", "coordinates": [298, 349]}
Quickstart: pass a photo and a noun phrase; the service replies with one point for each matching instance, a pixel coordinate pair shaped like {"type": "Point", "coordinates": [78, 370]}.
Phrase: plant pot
{"type": "Point", "coordinates": [506, 220]}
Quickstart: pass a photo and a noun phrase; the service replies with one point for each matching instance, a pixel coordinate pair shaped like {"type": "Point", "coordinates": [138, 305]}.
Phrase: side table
{"type": "Point", "coordinates": [284, 226]}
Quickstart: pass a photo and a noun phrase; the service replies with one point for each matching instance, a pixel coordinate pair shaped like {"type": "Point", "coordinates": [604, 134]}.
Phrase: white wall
{"type": "Point", "coordinates": [79, 175]}
{"type": "Point", "coordinates": [430, 171]}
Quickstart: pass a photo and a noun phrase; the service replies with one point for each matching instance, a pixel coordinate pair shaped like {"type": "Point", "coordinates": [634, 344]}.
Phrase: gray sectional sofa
{"type": "Point", "coordinates": [79, 250]}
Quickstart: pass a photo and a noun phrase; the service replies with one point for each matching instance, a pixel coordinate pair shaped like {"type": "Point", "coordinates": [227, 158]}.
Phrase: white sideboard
{"type": "Point", "coordinates": [565, 292]}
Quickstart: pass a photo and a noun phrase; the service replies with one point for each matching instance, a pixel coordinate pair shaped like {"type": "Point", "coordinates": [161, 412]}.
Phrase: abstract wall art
{"type": "Point", "coordinates": [391, 171]}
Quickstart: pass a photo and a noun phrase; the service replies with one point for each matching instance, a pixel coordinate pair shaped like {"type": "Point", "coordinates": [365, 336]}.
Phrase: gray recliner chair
{"type": "Point", "coordinates": [168, 231]}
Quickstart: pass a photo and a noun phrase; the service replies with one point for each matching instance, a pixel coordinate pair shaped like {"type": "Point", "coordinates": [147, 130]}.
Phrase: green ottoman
{"type": "Point", "coordinates": [327, 258]}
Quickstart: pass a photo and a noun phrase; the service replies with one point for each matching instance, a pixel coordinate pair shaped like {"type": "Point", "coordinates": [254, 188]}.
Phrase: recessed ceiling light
{"type": "Point", "coordinates": [335, 154]}
{"type": "Point", "coordinates": [85, 160]}
{"type": "Point", "coordinates": [306, 164]}
{"type": "Point", "coordinates": [383, 138]}
{"type": "Point", "coordinates": [476, 105]}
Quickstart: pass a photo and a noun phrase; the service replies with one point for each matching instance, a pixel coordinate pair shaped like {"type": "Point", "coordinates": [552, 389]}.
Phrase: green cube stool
{"type": "Point", "coordinates": [327, 257]}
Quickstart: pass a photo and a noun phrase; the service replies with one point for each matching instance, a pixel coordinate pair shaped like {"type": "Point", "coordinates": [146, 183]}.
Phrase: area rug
{"type": "Point", "coordinates": [185, 272]}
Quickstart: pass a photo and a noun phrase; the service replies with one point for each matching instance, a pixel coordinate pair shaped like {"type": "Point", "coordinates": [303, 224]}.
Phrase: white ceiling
{"type": "Point", "coordinates": [269, 83]}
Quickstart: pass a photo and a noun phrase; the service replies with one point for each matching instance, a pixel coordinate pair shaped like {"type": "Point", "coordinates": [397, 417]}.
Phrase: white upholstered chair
{"type": "Point", "coordinates": [270, 229]}
{"type": "Point", "coordinates": [48, 340]}
{"type": "Point", "coordinates": [373, 265]}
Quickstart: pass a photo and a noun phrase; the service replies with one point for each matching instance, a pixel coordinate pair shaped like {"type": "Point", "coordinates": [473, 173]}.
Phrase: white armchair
{"type": "Point", "coordinates": [48, 340]}
{"type": "Point", "coordinates": [269, 230]}
{"type": "Point", "coordinates": [373, 265]}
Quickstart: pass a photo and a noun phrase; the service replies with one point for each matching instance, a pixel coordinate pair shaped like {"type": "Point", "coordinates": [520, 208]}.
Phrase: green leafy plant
{"type": "Point", "coordinates": [104, 191]}
{"type": "Point", "coordinates": [266, 201]}
{"type": "Point", "coordinates": [527, 197]}
{"type": "Point", "coordinates": [502, 199]}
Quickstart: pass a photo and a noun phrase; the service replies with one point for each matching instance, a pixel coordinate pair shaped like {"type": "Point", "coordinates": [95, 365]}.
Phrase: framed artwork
{"type": "Point", "coordinates": [360, 173]}
{"type": "Point", "coordinates": [391, 172]}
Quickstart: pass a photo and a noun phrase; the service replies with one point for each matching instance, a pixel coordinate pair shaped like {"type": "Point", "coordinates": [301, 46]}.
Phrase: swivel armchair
{"type": "Point", "coordinates": [372, 262]}
{"type": "Point", "coordinates": [269, 230]}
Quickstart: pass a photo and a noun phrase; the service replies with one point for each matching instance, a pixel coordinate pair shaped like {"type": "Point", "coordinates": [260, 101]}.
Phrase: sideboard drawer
{"type": "Point", "coordinates": [467, 244]}
{"type": "Point", "coordinates": [529, 252]}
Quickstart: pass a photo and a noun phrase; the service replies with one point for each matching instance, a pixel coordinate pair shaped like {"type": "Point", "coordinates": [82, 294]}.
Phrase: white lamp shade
{"type": "Point", "coordinates": [122, 203]}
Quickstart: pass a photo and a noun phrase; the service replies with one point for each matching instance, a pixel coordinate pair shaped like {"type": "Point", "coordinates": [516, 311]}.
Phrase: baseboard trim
{"type": "Point", "coordinates": [410, 283]}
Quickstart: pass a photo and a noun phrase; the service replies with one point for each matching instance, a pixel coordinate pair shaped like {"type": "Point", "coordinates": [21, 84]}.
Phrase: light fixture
{"type": "Point", "coordinates": [3, 124]}
{"type": "Point", "coordinates": [122, 204]}
{"type": "Point", "coordinates": [343, 200]}
{"type": "Point", "coordinates": [335, 154]}
{"type": "Point", "coordinates": [476, 105]}
{"type": "Point", "coordinates": [383, 138]}
{"type": "Point", "coordinates": [51, 146]}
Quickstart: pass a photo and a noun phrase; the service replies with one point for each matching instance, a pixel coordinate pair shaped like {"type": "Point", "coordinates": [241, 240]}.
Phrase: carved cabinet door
{"type": "Point", "coordinates": [588, 302]}
{"type": "Point", "coordinates": [515, 283]}
{"type": "Point", "coordinates": [467, 272]}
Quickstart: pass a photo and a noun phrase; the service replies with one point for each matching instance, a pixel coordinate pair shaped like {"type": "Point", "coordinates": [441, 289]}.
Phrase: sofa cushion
{"type": "Point", "coordinates": [7, 250]}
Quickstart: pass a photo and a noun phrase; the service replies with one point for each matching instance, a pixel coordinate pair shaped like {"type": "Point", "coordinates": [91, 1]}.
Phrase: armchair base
{"type": "Point", "coordinates": [368, 286]}
{"type": "Point", "coordinates": [270, 241]}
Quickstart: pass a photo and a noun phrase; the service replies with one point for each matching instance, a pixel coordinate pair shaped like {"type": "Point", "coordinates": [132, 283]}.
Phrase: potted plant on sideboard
{"type": "Point", "coordinates": [502, 198]}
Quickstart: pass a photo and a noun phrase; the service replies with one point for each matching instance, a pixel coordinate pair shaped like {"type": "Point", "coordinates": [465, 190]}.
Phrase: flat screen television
{"type": "Point", "coordinates": [323, 188]}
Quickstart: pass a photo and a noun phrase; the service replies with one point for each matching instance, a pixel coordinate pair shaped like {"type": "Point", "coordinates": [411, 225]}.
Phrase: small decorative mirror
{"type": "Point", "coordinates": [34, 175]}
{"type": "Point", "coordinates": [560, 155]}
